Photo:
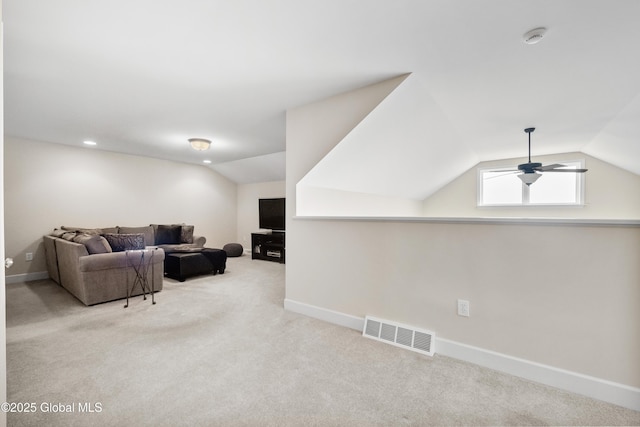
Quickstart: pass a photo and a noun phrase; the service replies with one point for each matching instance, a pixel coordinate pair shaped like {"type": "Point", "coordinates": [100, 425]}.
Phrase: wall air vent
{"type": "Point", "coordinates": [404, 336]}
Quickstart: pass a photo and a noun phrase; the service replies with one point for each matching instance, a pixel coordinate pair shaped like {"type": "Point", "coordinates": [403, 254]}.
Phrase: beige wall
{"type": "Point", "coordinates": [318, 201]}
{"type": "Point", "coordinates": [50, 185]}
{"type": "Point", "coordinates": [564, 296]}
{"type": "Point", "coordinates": [248, 195]}
{"type": "Point", "coordinates": [610, 193]}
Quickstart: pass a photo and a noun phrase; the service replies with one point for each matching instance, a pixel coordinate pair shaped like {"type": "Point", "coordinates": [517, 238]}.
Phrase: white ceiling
{"type": "Point", "coordinates": [142, 76]}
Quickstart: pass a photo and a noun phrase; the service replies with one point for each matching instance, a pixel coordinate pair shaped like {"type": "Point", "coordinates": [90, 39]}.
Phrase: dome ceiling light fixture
{"type": "Point", "coordinates": [534, 36]}
{"type": "Point", "coordinates": [199, 144]}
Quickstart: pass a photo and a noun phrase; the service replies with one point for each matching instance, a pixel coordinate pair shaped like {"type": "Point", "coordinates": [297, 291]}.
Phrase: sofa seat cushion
{"type": "Point", "coordinates": [97, 262]}
{"type": "Point", "coordinates": [185, 247]}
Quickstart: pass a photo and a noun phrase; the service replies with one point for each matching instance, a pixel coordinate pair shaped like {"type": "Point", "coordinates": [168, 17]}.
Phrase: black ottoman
{"type": "Point", "coordinates": [181, 265]}
{"type": "Point", "coordinates": [217, 258]}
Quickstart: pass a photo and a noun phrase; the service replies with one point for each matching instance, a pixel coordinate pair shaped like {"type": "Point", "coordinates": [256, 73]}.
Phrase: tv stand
{"type": "Point", "coordinates": [268, 245]}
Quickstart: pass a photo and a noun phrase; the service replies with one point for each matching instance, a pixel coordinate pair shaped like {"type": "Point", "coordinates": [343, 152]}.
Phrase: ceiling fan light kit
{"type": "Point", "coordinates": [199, 144]}
{"type": "Point", "coordinates": [529, 178]}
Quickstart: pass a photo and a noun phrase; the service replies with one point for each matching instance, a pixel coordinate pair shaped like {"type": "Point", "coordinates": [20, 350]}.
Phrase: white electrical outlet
{"type": "Point", "coordinates": [463, 308]}
{"type": "Point", "coordinates": [28, 256]}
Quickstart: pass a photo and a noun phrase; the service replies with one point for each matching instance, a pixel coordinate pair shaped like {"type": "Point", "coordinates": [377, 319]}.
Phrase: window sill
{"type": "Point", "coordinates": [534, 206]}
{"type": "Point", "coordinates": [483, 220]}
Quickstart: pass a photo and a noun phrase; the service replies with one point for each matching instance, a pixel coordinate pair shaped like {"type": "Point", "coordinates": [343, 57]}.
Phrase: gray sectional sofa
{"type": "Point", "coordinates": [93, 263]}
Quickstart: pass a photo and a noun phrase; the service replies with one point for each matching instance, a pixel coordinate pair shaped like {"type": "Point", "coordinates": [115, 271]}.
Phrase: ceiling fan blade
{"type": "Point", "coordinates": [510, 172]}
{"type": "Point", "coordinates": [567, 170]}
{"type": "Point", "coordinates": [505, 170]}
{"type": "Point", "coordinates": [547, 167]}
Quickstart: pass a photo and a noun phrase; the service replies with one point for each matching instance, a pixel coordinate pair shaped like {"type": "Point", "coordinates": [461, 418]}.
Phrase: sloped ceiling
{"type": "Point", "coordinates": [405, 147]}
{"type": "Point", "coordinates": [141, 77]}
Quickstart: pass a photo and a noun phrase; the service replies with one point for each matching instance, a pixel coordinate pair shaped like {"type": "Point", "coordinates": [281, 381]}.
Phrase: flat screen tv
{"type": "Point", "coordinates": [271, 214]}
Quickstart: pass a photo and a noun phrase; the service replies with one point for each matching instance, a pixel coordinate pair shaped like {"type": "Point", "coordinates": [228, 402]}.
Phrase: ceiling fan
{"type": "Point", "coordinates": [530, 170]}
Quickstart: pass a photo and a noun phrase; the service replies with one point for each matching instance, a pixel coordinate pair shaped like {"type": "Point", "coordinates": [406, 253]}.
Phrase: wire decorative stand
{"type": "Point", "coordinates": [141, 269]}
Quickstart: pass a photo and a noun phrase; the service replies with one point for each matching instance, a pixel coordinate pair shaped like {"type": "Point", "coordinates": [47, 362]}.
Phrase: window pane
{"type": "Point", "coordinates": [501, 188]}
{"type": "Point", "coordinates": [554, 188]}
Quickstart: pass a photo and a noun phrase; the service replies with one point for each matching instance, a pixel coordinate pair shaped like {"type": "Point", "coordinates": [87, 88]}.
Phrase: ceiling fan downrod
{"type": "Point", "coordinates": [529, 130]}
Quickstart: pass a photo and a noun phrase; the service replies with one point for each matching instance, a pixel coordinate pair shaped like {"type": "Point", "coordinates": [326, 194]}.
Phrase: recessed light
{"type": "Point", "coordinates": [90, 143]}
{"type": "Point", "coordinates": [206, 161]}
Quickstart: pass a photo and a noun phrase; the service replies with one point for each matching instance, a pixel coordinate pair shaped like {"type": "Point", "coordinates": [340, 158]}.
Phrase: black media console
{"type": "Point", "coordinates": [268, 245]}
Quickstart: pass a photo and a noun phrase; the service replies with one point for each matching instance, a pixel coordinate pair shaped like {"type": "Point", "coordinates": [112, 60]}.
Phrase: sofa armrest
{"type": "Point", "coordinates": [69, 254]}
{"type": "Point", "coordinates": [199, 241]}
{"type": "Point", "coordinates": [51, 257]}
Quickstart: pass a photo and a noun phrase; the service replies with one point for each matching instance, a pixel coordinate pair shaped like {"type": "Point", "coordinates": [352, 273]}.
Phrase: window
{"type": "Point", "coordinates": [500, 187]}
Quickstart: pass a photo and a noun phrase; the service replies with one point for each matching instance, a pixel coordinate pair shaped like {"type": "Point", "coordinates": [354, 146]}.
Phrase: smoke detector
{"type": "Point", "coordinates": [534, 36]}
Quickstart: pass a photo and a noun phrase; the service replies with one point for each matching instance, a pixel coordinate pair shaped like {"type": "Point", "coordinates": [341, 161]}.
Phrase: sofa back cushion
{"type": "Point", "coordinates": [149, 235]}
{"type": "Point", "coordinates": [125, 242]}
{"type": "Point", "coordinates": [102, 230]}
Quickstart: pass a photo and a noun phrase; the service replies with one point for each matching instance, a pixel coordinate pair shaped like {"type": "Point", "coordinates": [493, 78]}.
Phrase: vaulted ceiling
{"type": "Point", "coordinates": [141, 77]}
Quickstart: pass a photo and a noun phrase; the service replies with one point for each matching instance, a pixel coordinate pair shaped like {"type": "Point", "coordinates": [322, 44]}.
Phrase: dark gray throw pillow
{"type": "Point", "coordinates": [168, 234]}
{"type": "Point", "coordinates": [146, 231]}
{"type": "Point", "coordinates": [125, 242]}
{"type": "Point", "coordinates": [186, 233]}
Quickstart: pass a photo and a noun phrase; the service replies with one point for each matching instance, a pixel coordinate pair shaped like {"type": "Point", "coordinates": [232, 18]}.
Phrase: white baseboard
{"type": "Point", "coordinates": [26, 277]}
{"type": "Point", "coordinates": [607, 391]}
{"type": "Point", "coordinates": [327, 315]}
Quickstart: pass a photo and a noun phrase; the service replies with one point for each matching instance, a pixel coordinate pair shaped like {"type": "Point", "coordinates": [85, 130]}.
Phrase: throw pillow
{"type": "Point", "coordinates": [125, 242]}
{"type": "Point", "coordinates": [149, 239]}
{"type": "Point", "coordinates": [58, 232]}
{"type": "Point", "coordinates": [95, 244]}
{"type": "Point", "coordinates": [168, 234]}
{"type": "Point", "coordinates": [186, 234]}
{"type": "Point", "coordinates": [69, 235]}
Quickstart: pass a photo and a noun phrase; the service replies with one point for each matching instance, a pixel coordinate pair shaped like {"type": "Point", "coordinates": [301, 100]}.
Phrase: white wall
{"type": "Point", "coordinates": [564, 296]}
{"type": "Point", "coordinates": [51, 185]}
{"type": "Point", "coordinates": [248, 195]}
{"type": "Point", "coordinates": [611, 193]}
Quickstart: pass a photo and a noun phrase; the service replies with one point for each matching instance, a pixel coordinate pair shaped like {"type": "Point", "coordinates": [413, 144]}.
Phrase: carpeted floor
{"type": "Point", "coordinates": [220, 350]}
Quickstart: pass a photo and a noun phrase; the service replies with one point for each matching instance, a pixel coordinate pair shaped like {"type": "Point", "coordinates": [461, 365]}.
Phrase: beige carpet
{"type": "Point", "coordinates": [220, 350]}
